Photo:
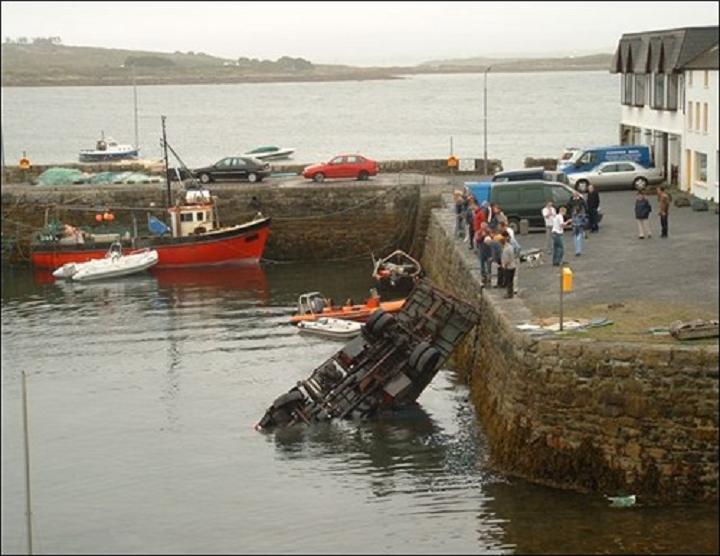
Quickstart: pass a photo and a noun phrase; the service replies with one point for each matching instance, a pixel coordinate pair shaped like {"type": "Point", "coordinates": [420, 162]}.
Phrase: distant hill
{"type": "Point", "coordinates": [45, 63]}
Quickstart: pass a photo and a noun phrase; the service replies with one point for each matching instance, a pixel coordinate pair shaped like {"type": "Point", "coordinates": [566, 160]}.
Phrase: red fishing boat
{"type": "Point", "coordinates": [193, 239]}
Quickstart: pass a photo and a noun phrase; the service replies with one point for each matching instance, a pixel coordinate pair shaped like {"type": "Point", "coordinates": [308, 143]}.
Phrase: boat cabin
{"type": "Point", "coordinates": [195, 216]}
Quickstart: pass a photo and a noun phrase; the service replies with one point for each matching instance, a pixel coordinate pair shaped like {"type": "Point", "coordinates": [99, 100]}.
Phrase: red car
{"type": "Point", "coordinates": [343, 166]}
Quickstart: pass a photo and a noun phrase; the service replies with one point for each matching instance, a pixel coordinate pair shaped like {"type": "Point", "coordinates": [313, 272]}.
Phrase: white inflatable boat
{"type": "Point", "coordinates": [113, 265]}
{"type": "Point", "coordinates": [331, 328]}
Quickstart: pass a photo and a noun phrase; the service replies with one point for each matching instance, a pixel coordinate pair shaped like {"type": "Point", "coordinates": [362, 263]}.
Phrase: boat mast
{"type": "Point", "coordinates": [167, 167]}
{"type": "Point", "coordinates": [137, 140]}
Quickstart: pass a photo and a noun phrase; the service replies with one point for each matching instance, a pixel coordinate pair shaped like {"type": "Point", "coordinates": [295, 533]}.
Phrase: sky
{"type": "Point", "coordinates": [355, 33]}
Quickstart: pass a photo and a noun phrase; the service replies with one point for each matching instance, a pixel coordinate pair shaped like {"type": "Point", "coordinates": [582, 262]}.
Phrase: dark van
{"type": "Point", "coordinates": [522, 199]}
{"type": "Point", "coordinates": [537, 173]}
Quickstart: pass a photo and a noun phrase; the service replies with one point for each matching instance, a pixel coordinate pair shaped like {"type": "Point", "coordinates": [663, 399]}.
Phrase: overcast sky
{"type": "Point", "coordinates": [359, 33]}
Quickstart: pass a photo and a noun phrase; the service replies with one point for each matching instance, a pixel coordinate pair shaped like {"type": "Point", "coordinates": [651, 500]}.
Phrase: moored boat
{"type": "Point", "coordinates": [270, 152]}
{"type": "Point", "coordinates": [327, 327]}
{"type": "Point", "coordinates": [108, 150]}
{"type": "Point", "coordinates": [113, 265]}
{"type": "Point", "coordinates": [313, 306]}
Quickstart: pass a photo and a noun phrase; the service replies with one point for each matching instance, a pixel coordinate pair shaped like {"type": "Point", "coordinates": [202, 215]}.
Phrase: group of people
{"type": "Point", "coordinates": [584, 216]}
{"type": "Point", "coordinates": [643, 210]}
{"type": "Point", "coordinates": [486, 230]}
{"type": "Point", "coordinates": [485, 227]}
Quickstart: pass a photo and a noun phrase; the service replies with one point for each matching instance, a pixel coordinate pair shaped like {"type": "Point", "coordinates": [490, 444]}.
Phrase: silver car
{"type": "Point", "coordinates": [619, 174]}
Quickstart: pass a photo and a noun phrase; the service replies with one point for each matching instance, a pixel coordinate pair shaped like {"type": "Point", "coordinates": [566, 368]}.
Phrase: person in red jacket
{"type": "Point", "coordinates": [478, 218]}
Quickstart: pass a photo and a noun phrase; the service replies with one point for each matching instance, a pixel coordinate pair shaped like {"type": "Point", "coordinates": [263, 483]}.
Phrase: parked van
{"type": "Point", "coordinates": [536, 173]}
{"type": "Point", "coordinates": [585, 160]}
{"type": "Point", "coordinates": [522, 199]}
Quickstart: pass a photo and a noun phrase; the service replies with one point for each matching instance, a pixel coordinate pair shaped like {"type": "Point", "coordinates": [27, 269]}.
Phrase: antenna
{"type": "Point", "coordinates": [137, 140]}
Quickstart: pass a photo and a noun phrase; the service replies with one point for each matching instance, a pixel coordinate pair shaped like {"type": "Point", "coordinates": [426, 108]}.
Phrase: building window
{"type": "Point", "coordinates": [186, 217]}
{"type": "Point", "coordinates": [690, 115]}
{"type": "Point", "coordinates": [705, 117]}
{"type": "Point", "coordinates": [672, 91]}
{"type": "Point", "coordinates": [706, 78]}
{"type": "Point", "coordinates": [659, 91]}
{"type": "Point", "coordinates": [640, 81]}
{"type": "Point", "coordinates": [701, 167]}
{"type": "Point", "coordinates": [627, 91]}
{"type": "Point", "coordinates": [697, 116]}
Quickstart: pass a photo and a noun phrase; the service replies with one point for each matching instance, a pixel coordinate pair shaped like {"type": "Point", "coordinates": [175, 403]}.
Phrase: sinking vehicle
{"type": "Point", "coordinates": [386, 367]}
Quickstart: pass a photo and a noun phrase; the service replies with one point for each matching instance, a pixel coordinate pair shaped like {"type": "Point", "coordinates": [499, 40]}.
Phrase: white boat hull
{"type": "Point", "coordinates": [331, 328]}
{"type": "Point", "coordinates": [109, 267]}
{"type": "Point", "coordinates": [273, 155]}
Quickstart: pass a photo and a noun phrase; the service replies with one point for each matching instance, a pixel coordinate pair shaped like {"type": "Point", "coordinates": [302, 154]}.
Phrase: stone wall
{"type": "Point", "coordinates": [602, 417]}
{"type": "Point", "coordinates": [13, 174]}
{"type": "Point", "coordinates": [310, 222]}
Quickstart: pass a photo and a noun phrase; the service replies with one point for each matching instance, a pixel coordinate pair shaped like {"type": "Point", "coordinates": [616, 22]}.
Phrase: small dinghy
{"type": "Point", "coordinates": [331, 328]}
{"type": "Point", "coordinates": [113, 265]}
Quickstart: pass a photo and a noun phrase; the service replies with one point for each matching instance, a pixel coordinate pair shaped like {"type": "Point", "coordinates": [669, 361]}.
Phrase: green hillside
{"type": "Point", "coordinates": [44, 63]}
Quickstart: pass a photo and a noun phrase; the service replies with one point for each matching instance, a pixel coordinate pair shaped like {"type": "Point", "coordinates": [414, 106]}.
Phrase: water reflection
{"type": "Point", "coordinates": [540, 520]}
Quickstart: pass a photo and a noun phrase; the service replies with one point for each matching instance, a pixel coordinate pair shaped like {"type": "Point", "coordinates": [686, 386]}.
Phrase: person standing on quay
{"type": "Point", "coordinates": [470, 220]}
{"type": "Point", "coordinates": [549, 213]}
{"type": "Point", "coordinates": [579, 221]}
{"type": "Point", "coordinates": [664, 209]}
{"type": "Point", "coordinates": [593, 204]}
{"type": "Point", "coordinates": [508, 265]}
{"type": "Point", "coordinates": [459, 214]}
{"type": "Point", "coordinates": [558, 229]}
{"type": "Point", "coordinates": [642, 213]}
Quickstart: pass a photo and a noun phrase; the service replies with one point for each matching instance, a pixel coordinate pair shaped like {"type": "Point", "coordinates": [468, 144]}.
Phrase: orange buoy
{"type": "Point", "coordinates": [110, 216]}
{"type": "Point", "coordinates": [98, 217]}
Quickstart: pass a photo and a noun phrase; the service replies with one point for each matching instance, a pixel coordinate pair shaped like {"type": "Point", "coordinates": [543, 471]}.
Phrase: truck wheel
{"type": "Point", "coordinates": [428, 360]}
{"type": "Point", "coordinates": [382, 324]}
{"type": "Point", "coordinates": [417, 352]}
{"type": "Point", "coordinates": [292, 396]}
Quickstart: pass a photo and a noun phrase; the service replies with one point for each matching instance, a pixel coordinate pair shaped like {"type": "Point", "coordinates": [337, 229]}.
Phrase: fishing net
{"type": "Point", "coordinates": [61, 176]}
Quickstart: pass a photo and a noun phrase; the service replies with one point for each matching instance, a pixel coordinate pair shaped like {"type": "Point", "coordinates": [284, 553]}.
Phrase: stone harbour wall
{"type": "Point", "coordinates": [611, 418]}
{"type": "Point", "coordinates": [310, 222]}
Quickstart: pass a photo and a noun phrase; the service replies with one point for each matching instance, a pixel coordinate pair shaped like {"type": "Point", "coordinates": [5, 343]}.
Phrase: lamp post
{"type": "Point", "coordinates": [485, 168]}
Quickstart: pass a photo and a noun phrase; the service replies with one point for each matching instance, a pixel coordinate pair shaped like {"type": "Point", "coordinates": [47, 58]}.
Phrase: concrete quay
{"type": "Point", "coordinates": [624, 412]}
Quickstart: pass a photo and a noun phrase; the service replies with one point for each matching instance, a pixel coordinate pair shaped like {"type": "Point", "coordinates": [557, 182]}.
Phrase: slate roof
{"type": "Point", "coordinates": [706, 60]}
{"type": "Point", "coordinates": [664, 51]}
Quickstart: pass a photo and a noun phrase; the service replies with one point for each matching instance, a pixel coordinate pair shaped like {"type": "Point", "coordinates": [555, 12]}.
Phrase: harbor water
{"type": "Point", "coordinates": [143, 393]}
{"type": "Point", "coordinates": [529, 114]}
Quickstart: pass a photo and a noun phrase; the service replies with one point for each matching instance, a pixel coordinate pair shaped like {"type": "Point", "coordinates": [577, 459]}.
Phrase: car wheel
{"type": "Point", "coordinates": [363, 175]}
{"type": "Point", "coordinates": [514, 226]}
{"type": "Point", "coordinates": [640, 183]}
{"type": "Point", "coordinates": [205, 178]}
{"type": "Point", "coordinates": [581, 186]}
{"type": "Point", "coordinates": [319, 177]}
{"type": "Point", "coordinates": [252, 177]}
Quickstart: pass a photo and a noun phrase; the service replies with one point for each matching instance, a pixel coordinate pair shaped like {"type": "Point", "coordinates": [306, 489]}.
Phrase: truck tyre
{"type": "Point", "coordinates": [417, 352]}
{"type": "Point", "coordinates": [428, 360]}
{"type": "Point", "coordinates": [292, 396]}
{"type": "Point", "coordinates": [382, 324]}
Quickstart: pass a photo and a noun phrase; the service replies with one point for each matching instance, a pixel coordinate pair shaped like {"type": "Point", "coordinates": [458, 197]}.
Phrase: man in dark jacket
{"type": "Point", "coordinates": [642, 213]}
{"type": "Point", "coordinates": [593, 204]}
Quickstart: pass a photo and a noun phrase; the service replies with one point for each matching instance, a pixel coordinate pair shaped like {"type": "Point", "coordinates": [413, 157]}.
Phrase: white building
{"type": "Point", "coordinates": [669, 97]}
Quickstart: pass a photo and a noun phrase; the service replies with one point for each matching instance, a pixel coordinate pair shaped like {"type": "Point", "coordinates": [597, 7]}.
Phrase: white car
{"type": "Point", "coordinates": [618, 174]}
